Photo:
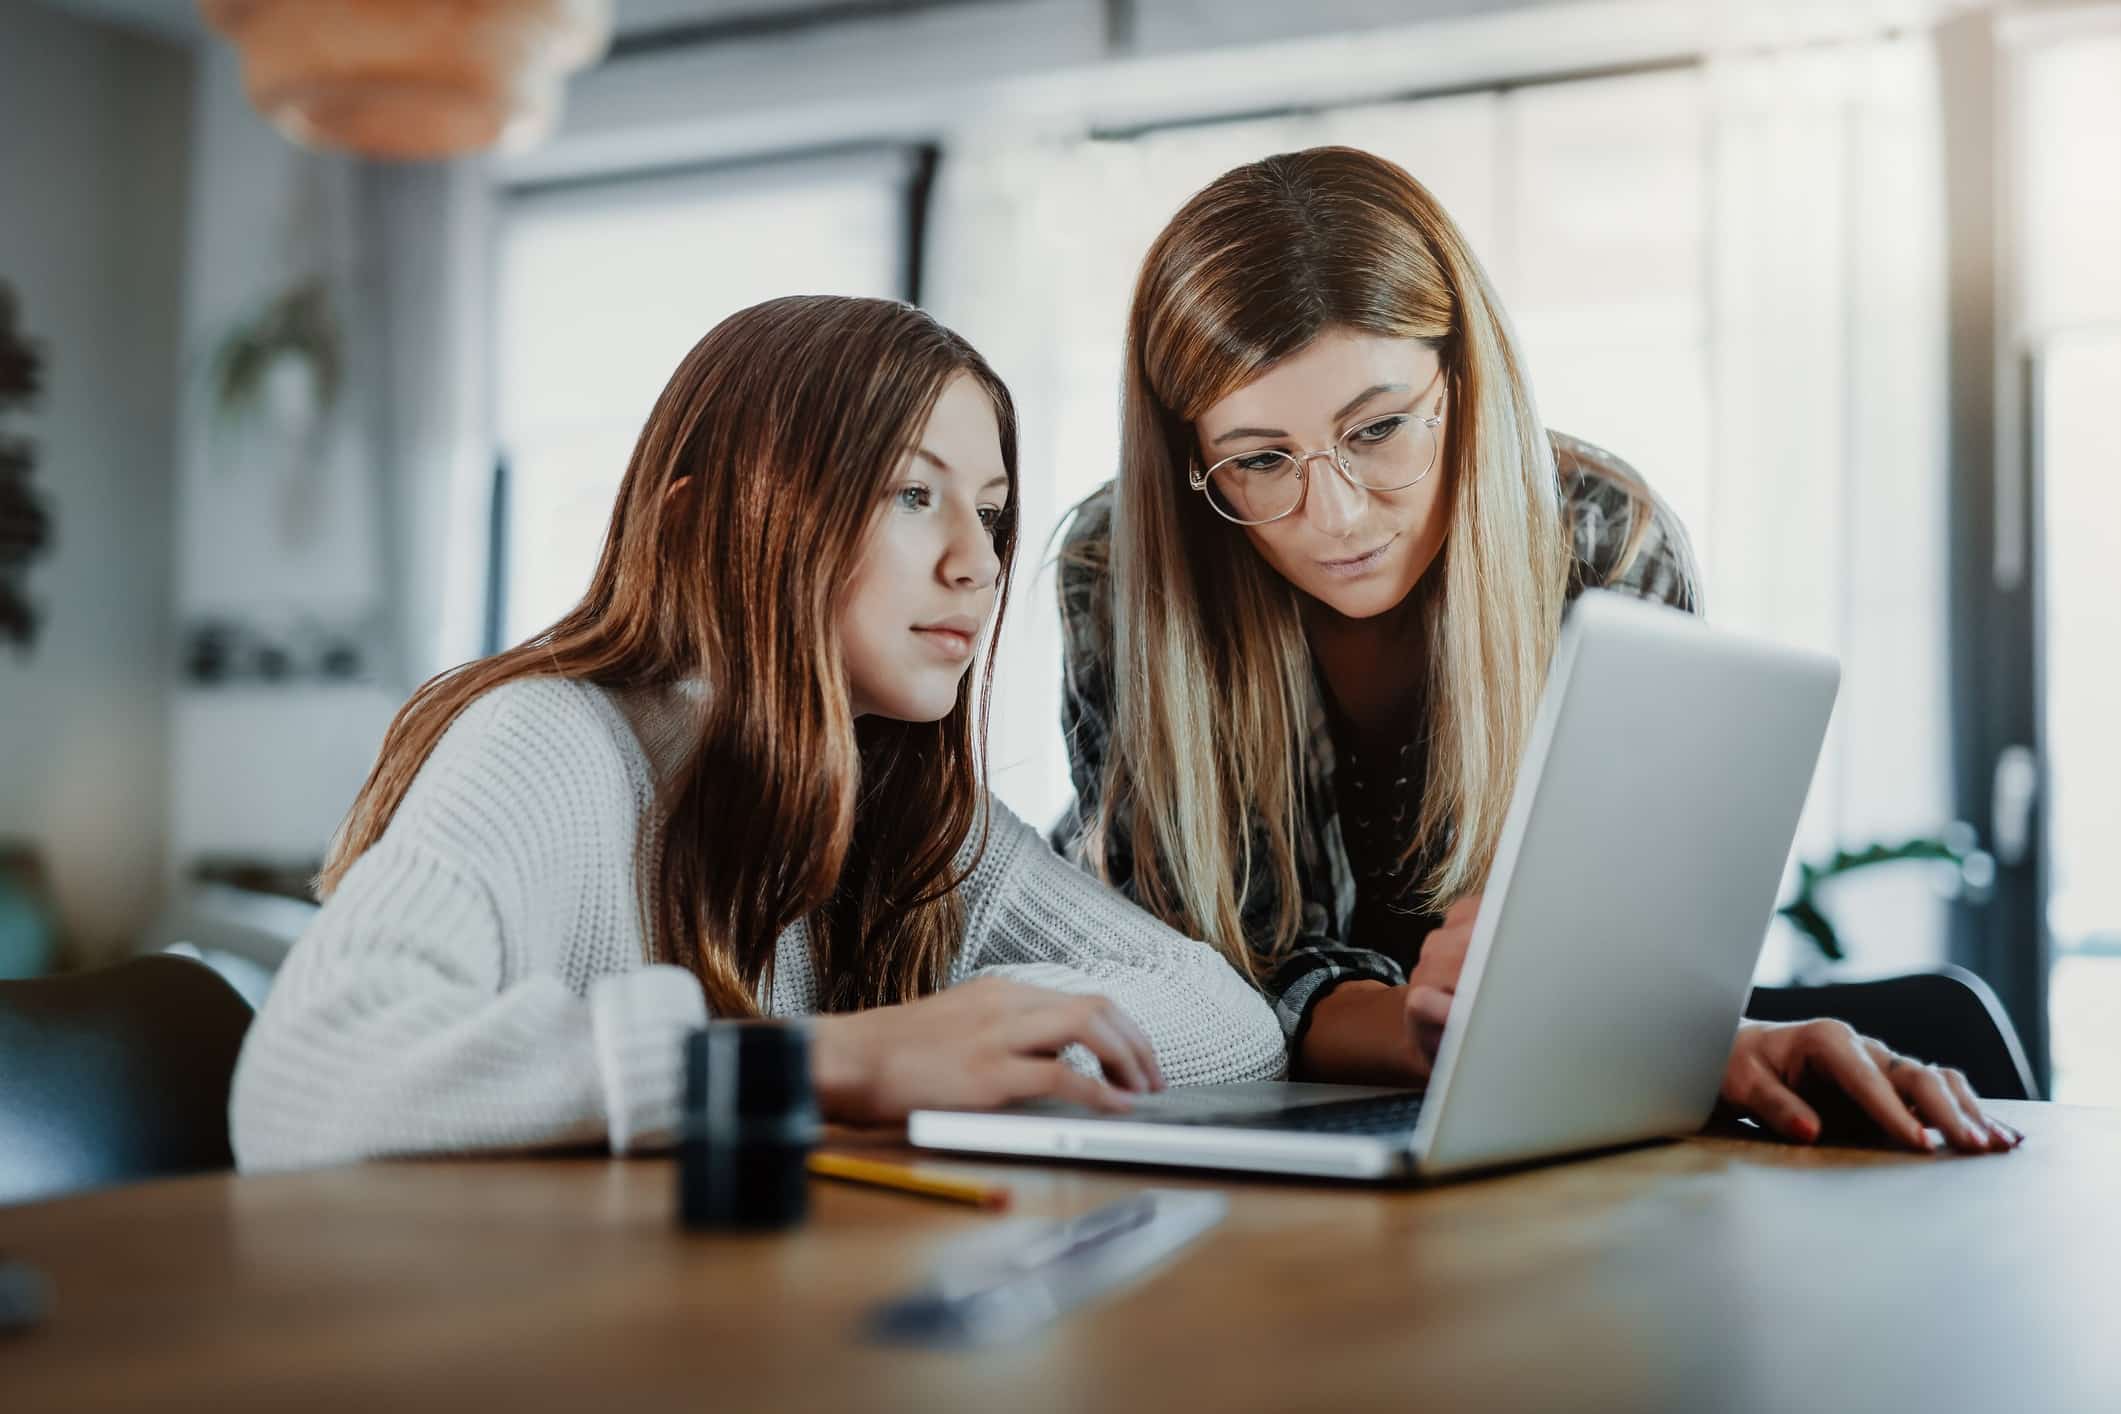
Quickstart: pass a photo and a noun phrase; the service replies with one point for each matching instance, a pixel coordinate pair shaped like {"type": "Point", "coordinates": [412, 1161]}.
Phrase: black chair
{"type": "Point", "coordinates": [1946, 1017]}
{"type": "Point", "coordinates": [114, 1075]}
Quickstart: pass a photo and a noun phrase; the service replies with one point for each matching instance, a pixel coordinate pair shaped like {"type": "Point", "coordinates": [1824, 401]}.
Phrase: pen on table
{"type": "Point", "coordinates": [908, 1180]}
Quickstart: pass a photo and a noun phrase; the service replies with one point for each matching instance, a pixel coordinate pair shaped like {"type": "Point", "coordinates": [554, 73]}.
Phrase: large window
{"type": "Point", "coordinates": [2069, 313]}
{"type": "Point", "coordinates": [603, 288]}
{"type": "Point", "coordinates": [2081, 471]}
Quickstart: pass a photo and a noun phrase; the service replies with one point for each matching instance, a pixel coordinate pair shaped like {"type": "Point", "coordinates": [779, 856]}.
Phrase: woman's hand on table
{"type": "Point", "coordinates": [986, 1043]}
{"type": "Point", "coordinates": [1782, 1073]}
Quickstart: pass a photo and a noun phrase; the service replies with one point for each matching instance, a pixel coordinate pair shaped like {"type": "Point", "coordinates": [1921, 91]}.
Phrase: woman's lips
{"type": "Point", "coordinates": [951, 642]}
{"type": "Point", "coordinates": [1359, 565]}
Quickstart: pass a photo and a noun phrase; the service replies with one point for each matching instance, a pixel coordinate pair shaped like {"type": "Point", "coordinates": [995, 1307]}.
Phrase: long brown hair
{"type": "Point", "coordinates": [1213, 681]}
{"type": "Point", "coordinates": [791, 420]}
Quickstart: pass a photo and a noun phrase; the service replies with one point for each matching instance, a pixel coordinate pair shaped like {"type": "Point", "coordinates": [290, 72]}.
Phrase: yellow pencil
{"type": "Point", "coordinates": [908, 1180]}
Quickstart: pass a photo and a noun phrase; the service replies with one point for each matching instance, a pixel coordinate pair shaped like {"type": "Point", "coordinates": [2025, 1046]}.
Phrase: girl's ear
{"type": "Point", "coordinates": [677, 487]}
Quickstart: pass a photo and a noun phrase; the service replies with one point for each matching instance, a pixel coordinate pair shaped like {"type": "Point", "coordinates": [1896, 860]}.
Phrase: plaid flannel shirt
{"type": "Point", "coordinates": [1598, 510]}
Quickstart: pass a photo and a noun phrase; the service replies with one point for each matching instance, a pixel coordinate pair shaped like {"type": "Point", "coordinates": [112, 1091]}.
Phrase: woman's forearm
{"type": "Point", "coordinates": [1359, 1036]}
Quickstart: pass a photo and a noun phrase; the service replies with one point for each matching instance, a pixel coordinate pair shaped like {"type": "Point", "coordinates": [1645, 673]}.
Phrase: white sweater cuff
{"type": "Point", "coordinates": [641, 1019]}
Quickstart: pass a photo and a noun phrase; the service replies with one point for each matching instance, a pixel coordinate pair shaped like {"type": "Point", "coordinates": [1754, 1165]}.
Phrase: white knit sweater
{"type": "Point", "coordinates": [478, 980]}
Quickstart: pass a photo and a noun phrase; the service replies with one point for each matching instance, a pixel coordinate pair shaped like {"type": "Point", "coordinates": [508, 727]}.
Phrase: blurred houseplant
{"type": "Point", "coordinates": [275, 377]}
{"type": "Point", "coordinates": [25, 520]}
{"type": "Point", "coordinates": [27, 934]}
{"type": "Point", "coordinates": [1972, 872]}
{"type": "Point", "coordinates": [287, 356]}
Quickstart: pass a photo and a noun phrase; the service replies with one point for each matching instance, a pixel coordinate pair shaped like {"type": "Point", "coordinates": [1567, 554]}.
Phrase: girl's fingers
{"type": "Point", "coordinates": [1076, 1020]}
{"type": "Point", "coordinates": [1833, 1051]}
{"type": "Point", "coordinates": [1139, 1039]}
{"type": "Point", "coordinates": [1133, 1072]}
{"type": "Point", "coordinates": [1022, 1002]}
{"type": "Point", "coordinates": [1761, 1091]}
{"type": "Point", "coordinates": [1026, 1079]}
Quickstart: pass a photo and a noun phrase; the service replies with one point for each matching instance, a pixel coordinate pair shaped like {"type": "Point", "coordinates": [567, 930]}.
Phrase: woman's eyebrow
{"type": "Point", "coordinates": [999, 479]}
{"type": "Point", "coordinates": [1236, 432]}
{"type": "Point", "coordinates": [1360, 398]}
{"type": "Point", "coordinates": [1369, 393]}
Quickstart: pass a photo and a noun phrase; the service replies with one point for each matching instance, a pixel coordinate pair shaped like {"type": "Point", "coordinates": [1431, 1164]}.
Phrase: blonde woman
{"type": "Point", "coordinates": [1308, 624]}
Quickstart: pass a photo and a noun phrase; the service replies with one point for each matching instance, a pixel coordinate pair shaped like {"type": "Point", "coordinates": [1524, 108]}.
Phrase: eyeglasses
{"type": "Point", "coordinates": [1388, 453]}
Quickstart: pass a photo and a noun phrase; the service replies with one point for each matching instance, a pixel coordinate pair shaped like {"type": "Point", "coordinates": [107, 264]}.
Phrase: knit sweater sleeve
{"type": "Point", "coordinates": [1033, 916]}
{"type": "Point", "coordinates": [430, 1007]}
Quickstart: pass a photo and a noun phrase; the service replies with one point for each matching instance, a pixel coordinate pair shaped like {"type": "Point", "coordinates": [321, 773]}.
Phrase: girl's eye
{"type": "Point", "coordinates": [1261, 462]}
{"type": "Point", "coordinates": [992, 516]}
{"type": "Point", "coordinates": [914, 498]}
{"type": "Point", "coordinates": [1371, 433]}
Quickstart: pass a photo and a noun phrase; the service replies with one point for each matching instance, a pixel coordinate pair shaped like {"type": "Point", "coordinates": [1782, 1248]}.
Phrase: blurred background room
{"type": "Point", "coordinates": [320, 363]}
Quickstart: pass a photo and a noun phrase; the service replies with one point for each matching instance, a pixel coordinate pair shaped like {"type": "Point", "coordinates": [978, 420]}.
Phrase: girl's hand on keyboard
{"type": "Point", "coordinates": [982, 1044]}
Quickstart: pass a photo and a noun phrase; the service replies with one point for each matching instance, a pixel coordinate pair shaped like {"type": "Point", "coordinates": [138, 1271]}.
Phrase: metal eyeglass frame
{"type": "Point", "coordinates": [1198, 479]}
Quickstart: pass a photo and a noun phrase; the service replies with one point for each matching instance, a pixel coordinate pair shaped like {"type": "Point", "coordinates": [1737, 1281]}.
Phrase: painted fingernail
{"type": "Point", "coordinates": [1806, 1129]}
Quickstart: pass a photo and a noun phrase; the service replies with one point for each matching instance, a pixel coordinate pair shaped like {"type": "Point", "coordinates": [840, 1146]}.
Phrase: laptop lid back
{"type": "Point", "coordinates": [1632, 888]}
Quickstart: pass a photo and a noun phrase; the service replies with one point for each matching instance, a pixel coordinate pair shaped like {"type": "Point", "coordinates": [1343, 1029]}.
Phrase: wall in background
{"type": "Point", "coordinates": [285, 531]}
{"type": "Point", "coordinates": [92, 200]}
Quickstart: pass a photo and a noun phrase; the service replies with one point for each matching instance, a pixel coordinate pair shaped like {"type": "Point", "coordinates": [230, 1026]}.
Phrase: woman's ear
{"type": "Point", "coordinates": [677, 487]}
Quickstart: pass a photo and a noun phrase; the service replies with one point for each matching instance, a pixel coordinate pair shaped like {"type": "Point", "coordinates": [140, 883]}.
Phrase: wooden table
{"type": "Point", "coordinates": [1717, 1273]}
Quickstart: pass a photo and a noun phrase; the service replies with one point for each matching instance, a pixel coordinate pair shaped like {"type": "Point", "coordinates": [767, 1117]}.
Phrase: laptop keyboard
{"type": "Point", "coordinates": [1371, 1114]}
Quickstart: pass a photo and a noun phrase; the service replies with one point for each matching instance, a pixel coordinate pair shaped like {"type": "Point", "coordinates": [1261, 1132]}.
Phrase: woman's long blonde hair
{"type": "Point", "coordinates": [1213, 684]}
{"type": "Point", "coordinates": [790, 420]}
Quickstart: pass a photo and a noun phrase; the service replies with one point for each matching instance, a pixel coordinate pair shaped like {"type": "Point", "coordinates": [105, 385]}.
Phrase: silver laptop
{"type": "Point", "coordinates": [1609, 967]}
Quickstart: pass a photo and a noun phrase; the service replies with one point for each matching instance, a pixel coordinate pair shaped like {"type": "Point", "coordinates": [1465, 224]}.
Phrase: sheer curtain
{"type": "Point", "coordinates": [1826, 514]}
{"type": "Point", "coordinates": [2066, 296]}
{"type": "Point", "coordinates": [1728, 273]}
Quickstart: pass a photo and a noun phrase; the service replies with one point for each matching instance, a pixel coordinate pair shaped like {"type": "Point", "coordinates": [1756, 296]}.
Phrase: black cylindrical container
{"type": "Point", "coordinates": [750, 1121]}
